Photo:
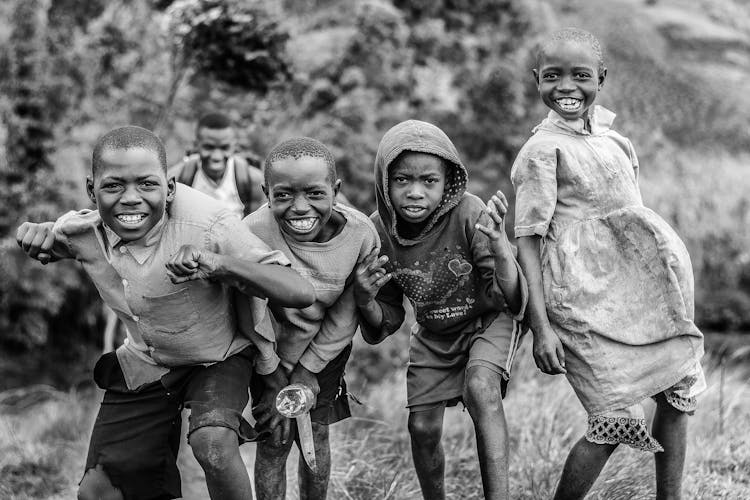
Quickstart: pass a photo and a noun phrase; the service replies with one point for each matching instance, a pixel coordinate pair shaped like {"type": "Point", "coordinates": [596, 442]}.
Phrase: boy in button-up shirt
{"type": "Point", "coordinates": [167, 260]}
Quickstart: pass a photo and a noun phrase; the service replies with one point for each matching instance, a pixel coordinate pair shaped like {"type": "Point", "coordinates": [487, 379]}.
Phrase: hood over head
{"type": "Point", "coordinates": [420, 137]}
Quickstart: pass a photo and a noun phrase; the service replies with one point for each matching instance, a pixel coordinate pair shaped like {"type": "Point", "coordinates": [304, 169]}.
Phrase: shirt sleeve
{"type": "Point", "coordinates": [71, 224]}
{"type": "Point", "coordinates": [634, 160]}
{"type": "Point", "coordinates": [391, 301]}
{"type": "Point", "coordinates": [230, 236]}
{"type": "Point", "coordinates": [534, 177]}
{"type": "Point", "coordinates": [341, 319]}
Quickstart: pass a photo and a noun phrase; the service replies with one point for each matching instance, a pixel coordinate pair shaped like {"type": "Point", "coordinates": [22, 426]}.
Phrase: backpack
{"type": "Point", "coordinates": [241, 177]}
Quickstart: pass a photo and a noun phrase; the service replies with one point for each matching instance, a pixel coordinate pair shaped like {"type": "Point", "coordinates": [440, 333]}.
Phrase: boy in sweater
{"type": "Point", "coordinates": [324, 240]}
{"type": "Point", "coordinates": [448, 253]}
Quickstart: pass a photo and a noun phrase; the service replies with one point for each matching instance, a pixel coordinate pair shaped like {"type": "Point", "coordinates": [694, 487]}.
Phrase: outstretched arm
{"type": "Point", "coordinates": [280, 284]}
{"type": "Point", "coordinates": [548, 350]}
{"type": "Point", "coordinates": [39, 242]}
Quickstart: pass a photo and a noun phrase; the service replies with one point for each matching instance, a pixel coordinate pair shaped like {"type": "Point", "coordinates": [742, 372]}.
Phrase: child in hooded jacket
{"type": "Point", "coordinates": [446, 251]}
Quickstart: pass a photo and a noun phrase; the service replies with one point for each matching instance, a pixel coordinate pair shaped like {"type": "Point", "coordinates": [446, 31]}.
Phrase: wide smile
{"type": "Point", "coordinates": [131, 220]}
{"type": "Point", "coordinates": [302, 225]}
{"type": "Point", "coordinates": [569, 104]}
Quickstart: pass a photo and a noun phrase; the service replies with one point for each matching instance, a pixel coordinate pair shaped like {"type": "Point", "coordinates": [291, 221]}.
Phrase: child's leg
{"type": "Point", "coordinates": [332, 405]}
{"type": "Point", "coordinates": [670, 429]}
{"type": "Point", "coordinates": [484, 400]}
{"type": "Point", "coordinates": [583, 465]}
{"type": "Point", "coordinates": [217, 450]}
{"type": "Point", "coordinates": [135, 440]}
{"type": "Point", "coordinates": [425, 430]}
{"type": "Point", "coordinates": [217, 395]}
{"type": "Point", "coordinates": [315, 486]}
{"type": "Point", "coordinates": [270, 469]}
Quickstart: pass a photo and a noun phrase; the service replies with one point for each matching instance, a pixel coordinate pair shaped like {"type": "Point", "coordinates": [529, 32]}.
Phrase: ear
{"type": "Point", "coordinates": [90, 189]}
{"type": "Point", "coordinates": [336, 189]}
{"type": "Point", "coordinates": [602, 76]}
{"type": "Point", "coordinates": [265, 191]}
{"type": "Point", "coordinates": [535, 72]}
{"type": "Point", "coordinates": [171, 189]}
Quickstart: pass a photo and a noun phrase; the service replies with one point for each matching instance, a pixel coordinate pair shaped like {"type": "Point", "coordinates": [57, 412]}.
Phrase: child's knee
{"type": "Point", "coordinates": [96, 485]}
{"type": "Point", "coordinates": [424, 428]}
{"type": "Point", "coordinates": [214, 447]}
{"type": "Point", "coordinates": [483, 390]}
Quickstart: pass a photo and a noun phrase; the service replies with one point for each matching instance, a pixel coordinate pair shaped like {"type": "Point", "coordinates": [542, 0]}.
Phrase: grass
{"type": "Point", "coordinates": [43, 437]}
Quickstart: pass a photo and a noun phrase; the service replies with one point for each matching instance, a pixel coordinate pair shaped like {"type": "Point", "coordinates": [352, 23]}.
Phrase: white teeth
{"type": "Point", "coordinates": [569, 104]}
{"type": "Point", "coordinates": [131, 218]}
{"type": "Point", "coordinates": [302, 224]}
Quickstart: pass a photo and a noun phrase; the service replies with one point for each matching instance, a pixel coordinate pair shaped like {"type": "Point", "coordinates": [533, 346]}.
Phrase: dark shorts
{"type": "Point", "coordinates": [137, 434]}
{"type": "Point", "coordinates": [332, 404]}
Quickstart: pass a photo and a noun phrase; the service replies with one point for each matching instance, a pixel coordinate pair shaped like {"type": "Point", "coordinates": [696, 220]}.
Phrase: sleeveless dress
{"type": "Point", "coordinates": [618, 283]}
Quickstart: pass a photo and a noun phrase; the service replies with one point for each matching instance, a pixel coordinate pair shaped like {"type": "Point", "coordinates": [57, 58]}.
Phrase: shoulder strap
{"type": "Point", "coordinates": [189, 169]}
{"type": "Point", "coordinates": [243, 181]}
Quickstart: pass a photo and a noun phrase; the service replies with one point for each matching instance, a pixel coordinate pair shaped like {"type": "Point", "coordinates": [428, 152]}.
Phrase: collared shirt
{"type": "Point", "coordinates": [168, 324]}
{"type": "Point", "coordinates": [225, 190]}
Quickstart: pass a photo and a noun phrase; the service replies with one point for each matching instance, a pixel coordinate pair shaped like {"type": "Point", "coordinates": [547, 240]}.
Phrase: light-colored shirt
{"type": "Point", "coordinates": [225, 190]}
{"type": "Point", "coordinates": [168, 324]}
{"type": "Point", "coordinates": [316, 334]}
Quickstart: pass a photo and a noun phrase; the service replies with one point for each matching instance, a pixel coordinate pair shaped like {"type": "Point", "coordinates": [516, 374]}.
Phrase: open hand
{"type": "Point", "coordinates": [497, 207]}
{"type": "Point", "coordinates": [190, 263]}
{"type": "Point", "coordinates": [37, 240]}
{"type": "Point", "coordinates": [370, 277]}
{"type": "Point", "coordinates": [548, 352]}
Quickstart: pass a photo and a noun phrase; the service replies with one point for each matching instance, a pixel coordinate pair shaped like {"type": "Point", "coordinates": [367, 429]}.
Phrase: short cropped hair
{"type": "Point", "coordinates": [572, 35]}
{"type": "Point", "coordinates": [214, 121]}
{"type": "Point", "coordinates": [129, 137]}
{"type": "Point", "coordinates": [296, 148]}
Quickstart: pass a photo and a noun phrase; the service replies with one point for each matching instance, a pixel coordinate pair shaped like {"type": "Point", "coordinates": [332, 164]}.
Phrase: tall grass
{"type": "Point", "coordinates": [43, 444]}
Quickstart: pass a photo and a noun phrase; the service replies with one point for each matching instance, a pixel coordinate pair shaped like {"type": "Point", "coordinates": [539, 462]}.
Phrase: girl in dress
{"type": "Point", "coordinates": [610, 282]}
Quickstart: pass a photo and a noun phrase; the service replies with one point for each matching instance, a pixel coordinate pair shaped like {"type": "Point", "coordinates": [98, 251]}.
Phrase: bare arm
{"type": "Point", "coordinates": [506, 272]}
{"type": "Point", "coordinates": [548, 350]}
{"type": "Point", "coordinates": [370, 277]}
{"type": "Point", "coordinates": [280, 284]}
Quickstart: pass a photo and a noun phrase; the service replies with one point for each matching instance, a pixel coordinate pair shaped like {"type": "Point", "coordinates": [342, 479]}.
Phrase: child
{"type": "Point", "coordinates": [324, 241]}
{"type": "Point", "coordinates": [449, 255]}
{"type": "Point", "coordinates": [610, 283]}
{"type": "Point", "coordinates": [183, 347]}
{"type": "Point", "coordinates": [216, 170]}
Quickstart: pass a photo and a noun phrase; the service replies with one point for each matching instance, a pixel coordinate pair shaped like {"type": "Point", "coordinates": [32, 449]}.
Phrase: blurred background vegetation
{"type": "Point", "coordinates": [344, 72]}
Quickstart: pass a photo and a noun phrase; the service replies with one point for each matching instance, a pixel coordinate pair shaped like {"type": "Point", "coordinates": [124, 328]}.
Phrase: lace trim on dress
{"type": "Point", "coordinates": [615, 430]}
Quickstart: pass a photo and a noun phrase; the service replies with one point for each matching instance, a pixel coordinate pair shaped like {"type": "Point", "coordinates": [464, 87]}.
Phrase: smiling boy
{"type": "Point", "coordinates": [217, 170]}
{"type": "Point", "coordinates": [324, 240]}
{"type": "Point", "coordinates": [162, 257]}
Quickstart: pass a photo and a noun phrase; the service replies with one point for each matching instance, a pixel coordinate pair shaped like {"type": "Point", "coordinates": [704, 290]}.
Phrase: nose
{"type": "Point", "coordinates": [415, 192]}
{"type": "Point", "coordinates": [217, 154]}
{"type": "Point", "coordinates": [130, 196]}
{"type": "Point", "coordinates": [300, 205]}
{"type": "Point", "coordinates": [565, 84]}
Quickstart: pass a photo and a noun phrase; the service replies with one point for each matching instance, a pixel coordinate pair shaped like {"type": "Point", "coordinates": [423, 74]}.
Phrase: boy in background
{"type": "Point", "coordinates": [448, 253]}
{"type": "Point", "coordinates": [215, 168]}
{"type": "Point", "coordinates": [324, 240]}
{"type": "Point", "coordinates": [162, 256]}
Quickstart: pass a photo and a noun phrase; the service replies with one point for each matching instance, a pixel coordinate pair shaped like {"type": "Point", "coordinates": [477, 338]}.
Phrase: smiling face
{"type": "Point", "coordinates": [415, 187]}
{"type": "Point", "coordinates": [215, 146]}
{"type": "Point", "coordinates": [569, 78]}
{"type": "Point", "coordinates": [300, 195]}
{"type": "Point", "coordinates": [130, 190]}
